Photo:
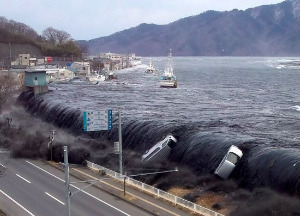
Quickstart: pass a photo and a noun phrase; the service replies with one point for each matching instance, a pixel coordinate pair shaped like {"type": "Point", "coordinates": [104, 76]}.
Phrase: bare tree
{"type": "Point", "coordinates": [55, 36]}
{"type": "Point", "coordinates": [50, 35]}
{"type": "Point", "coordinates": [62, 36]}
{"type": "Point", "coordinates": [11, 31]}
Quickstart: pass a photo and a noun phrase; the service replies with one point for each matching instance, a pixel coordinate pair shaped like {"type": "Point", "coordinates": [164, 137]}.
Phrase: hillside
{"type": "Point", "coordinates": [13, 51]}
{"type": "Point", "coordinates": [17, 38]}
{"type": "Point", "coordinates": [271, 30]}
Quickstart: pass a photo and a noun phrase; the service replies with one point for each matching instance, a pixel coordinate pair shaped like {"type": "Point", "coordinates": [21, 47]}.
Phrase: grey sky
{"type": "Point", "coordinates": [89, 19]}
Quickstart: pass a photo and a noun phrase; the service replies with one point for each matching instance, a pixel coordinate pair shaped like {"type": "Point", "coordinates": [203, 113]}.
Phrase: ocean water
{"type": "Point", "coordinates": [251, 102]}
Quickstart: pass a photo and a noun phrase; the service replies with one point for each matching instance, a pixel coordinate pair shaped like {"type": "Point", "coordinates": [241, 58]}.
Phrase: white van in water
{"type": "Point", "coordinates": [229, 162]}
{"type": "Point", "coordinates": [160, 151]}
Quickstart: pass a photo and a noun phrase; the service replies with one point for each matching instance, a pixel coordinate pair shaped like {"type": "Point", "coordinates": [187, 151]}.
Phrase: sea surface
{"type": "Point", "coordinates": [250, 102]}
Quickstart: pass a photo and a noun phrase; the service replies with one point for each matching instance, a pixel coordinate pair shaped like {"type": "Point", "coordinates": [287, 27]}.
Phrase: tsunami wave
{"type": "Point", "coordinates": [261, 166]}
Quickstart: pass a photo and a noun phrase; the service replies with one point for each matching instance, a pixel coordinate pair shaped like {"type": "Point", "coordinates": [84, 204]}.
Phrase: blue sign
{"type": "Point", "coordinates": [97, 120]}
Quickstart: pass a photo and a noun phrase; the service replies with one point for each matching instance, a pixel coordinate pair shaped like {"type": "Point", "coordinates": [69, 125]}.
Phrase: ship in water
{"type": "Point", "coordinates": [168, 79]}
{"type": "Point", "coordinates": [151, 69]}
{"type": "Point", "coordinates": [96, 78]}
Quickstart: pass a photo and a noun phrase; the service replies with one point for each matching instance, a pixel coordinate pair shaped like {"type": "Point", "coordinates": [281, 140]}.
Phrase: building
{"type": "Point", "coordinates": [81, 68]}
{"type": "Point", "coordinates": [36, 80]}
{"type": "Point", "coordinates": [111, 56]}
{"type": "Point", "coordinates": [53, 75]}
{"type": "Point", "coordinates": [24, 59]}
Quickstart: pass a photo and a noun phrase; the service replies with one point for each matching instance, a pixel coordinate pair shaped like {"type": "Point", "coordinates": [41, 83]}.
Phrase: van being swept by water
{"type": "Point", "coordinates": [229, 162]}
{"type": "Point", "coordinates": [161, 150]}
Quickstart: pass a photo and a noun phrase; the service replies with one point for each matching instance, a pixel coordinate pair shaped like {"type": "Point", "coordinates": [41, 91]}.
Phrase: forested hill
{"type": "Point", "coordinates": [16, 38]}
{"type": "Point", "coordinates": [270, 30]}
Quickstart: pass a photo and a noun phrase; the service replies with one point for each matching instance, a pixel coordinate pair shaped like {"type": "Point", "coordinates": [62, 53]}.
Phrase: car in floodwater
{"type": "Point", "coordinates": [230, 160]}
{"type": "Point", "coordinates": [160, 151]}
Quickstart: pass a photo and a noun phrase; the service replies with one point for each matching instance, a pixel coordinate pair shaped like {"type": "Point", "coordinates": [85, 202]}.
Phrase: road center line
{"type": "Point", "coordinates": [23, 178]}
{"type": "Point", "coordinates": [78, 188]}
{"type": "Point", "coordinates": [54, 198]}
{"type": "Point", "coordinates": [17, 203]}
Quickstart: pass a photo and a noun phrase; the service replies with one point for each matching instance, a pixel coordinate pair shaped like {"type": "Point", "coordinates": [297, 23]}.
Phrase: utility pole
{"type": "Point", "coordinates": [9, 56]}
{"type": "Point", "coordinates": [120, 143]}
{"type": "Point", "coordinates": [52, 139]}
{"type": "Point", "coordinates": [67, 191]}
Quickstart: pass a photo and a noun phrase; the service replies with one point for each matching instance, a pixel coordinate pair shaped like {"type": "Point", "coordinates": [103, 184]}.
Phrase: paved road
{"type": "Point", "coordinates": [30, 187]}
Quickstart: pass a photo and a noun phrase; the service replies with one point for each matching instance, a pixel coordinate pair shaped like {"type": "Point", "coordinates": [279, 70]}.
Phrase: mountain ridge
{"type": "Point", "coordinates": [268, 30]}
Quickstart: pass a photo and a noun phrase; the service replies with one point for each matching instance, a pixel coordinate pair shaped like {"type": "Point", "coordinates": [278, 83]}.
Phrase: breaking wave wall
{"type": "Point", "coordinates": [261, 165]}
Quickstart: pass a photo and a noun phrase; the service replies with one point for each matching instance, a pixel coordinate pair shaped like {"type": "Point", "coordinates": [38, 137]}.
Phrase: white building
{"type": "Point", "coordinates": [82, 68]}
{"type": "Point", "coordinates": [53, 75]}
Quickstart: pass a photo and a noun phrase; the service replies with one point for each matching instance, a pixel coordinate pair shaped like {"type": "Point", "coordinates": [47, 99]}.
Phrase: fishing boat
{"type": "Point", "coordinates": [151, 69]}
{"type": "Point", "coordinates": [96, 78]}
{"type": "Point", "coordinates": [111, 75]}
{"type": "Point", "coordinates": [168, 79]}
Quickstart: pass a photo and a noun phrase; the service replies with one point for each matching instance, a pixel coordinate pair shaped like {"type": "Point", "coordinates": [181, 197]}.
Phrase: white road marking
{"type": "Point", "coordinates": [23, 178]}
{"type": "Point", "coordinates": [17, 203]}
{"type": "Point", "coordinates": [54, 198]}
{"type": "Point", "coordinates": [96, 198]}
{"type": "Point", "coordinates": [2, 165]}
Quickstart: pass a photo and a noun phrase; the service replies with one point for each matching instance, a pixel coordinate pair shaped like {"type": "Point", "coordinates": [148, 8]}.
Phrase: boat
{"type": "Point", "coordinates": [151, 69]}
{"type": "Point", "coordinates": [96, 78]}
{"type": "Point", "coordinates": [110, 75]}
{"type": "Point", "coordinates": [168, 79]}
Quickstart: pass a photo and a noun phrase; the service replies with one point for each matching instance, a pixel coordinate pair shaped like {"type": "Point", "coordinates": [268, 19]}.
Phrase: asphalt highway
{"type": "Point", "coordinates": [32, 187]}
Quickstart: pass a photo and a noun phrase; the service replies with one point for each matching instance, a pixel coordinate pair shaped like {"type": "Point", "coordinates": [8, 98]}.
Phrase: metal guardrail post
{"type": "Point", "coordinates": [157, 193]}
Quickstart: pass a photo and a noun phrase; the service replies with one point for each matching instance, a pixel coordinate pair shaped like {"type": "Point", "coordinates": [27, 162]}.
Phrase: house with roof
{"type": "Point", "coordinates": [36, 80]}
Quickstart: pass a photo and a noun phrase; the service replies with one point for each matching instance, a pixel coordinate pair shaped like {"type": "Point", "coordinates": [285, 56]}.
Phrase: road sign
{"type": "Point", "coordinates": [97, 120]}
{"type": "Point", "coordinates": [49, 59]}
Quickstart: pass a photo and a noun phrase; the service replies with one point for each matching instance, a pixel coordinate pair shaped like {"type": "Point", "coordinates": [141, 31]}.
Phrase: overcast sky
{"type": "Point", "coordinates": [89, 19]}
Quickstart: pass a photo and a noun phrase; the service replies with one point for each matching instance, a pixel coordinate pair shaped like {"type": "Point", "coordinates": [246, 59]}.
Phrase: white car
{"type": "Point", "coordinates": [229, 162]}
{"type": "Point", "coordinates": [161, 150]}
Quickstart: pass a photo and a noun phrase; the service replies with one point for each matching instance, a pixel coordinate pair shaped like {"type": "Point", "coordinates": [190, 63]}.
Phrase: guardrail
{"type": "Point", "coordinates": [154, 191]}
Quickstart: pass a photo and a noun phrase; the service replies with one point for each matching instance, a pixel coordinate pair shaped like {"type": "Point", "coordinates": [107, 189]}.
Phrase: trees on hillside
{"type": "Point", "coordinates": [55, 36]}
{"type": "Point", "coordinates": [59, 43]}
{"type": "Point", "coordinates": [15, 32]}
{"type": "Point", "coordinates": [52, 42]}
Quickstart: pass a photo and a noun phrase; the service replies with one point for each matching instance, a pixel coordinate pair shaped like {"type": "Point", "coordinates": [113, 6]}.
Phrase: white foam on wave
{"type": "Point", "coordinates": [282, 63]}
{"type": "Point", "coordinates": [297, 107]}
